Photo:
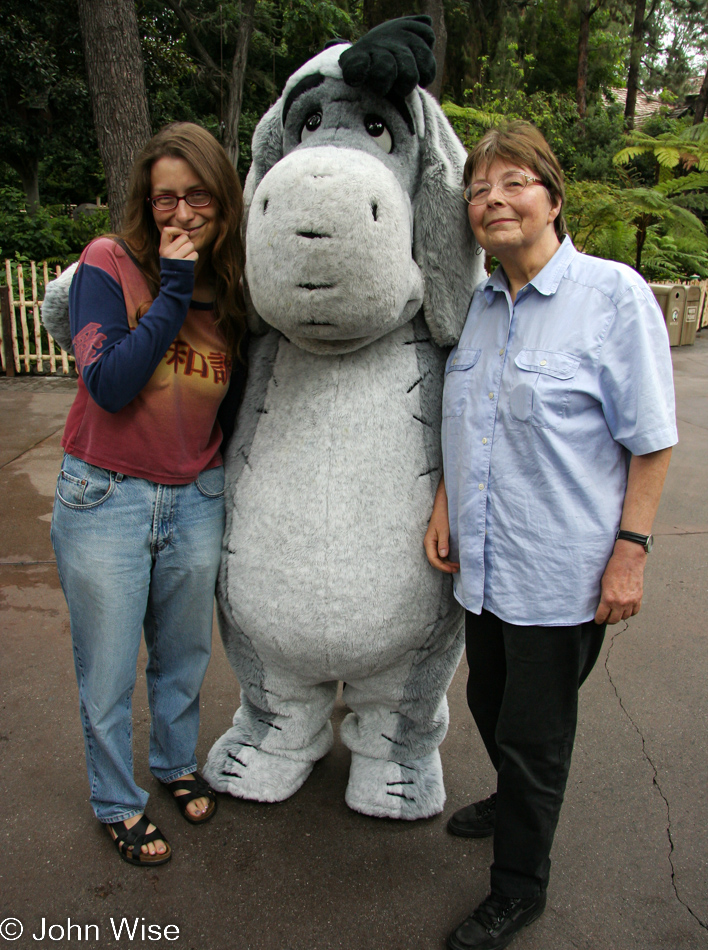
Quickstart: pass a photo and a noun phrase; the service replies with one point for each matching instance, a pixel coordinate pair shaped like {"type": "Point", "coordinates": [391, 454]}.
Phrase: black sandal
{"type": "Point", "coordinates": [129, 842]}
{"type": "Point", "coordinates": [196, 787]}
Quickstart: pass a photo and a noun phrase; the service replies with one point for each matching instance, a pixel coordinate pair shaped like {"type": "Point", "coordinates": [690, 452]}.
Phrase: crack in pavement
{"type": "Point", "coordinates": [655, 780]}
{"type": "Point", "coordinates": [25, 563]}
{"type": "Point", "coordinates": [29, 449]}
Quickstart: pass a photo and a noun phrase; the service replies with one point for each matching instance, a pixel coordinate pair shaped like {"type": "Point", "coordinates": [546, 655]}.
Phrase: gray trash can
{"type": "Point", "coordinates": [672, 302]}
{"type": "Point", "coordinates": [690, 316]}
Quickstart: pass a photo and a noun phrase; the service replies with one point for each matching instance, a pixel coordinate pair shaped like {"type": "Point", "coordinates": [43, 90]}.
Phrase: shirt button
{"type": "Point", "coordinates": [453, 362]}
{"type": "Point", "coordinates": [481, 486]}
{"type": "Point", "coordinates": [501, 352]}
{"type": "Point", "coordinates": [491, 395]}
{"type": "Point", "coordinates": [543, 362]}
{"type": "Point", "coordinates": [484, 441]}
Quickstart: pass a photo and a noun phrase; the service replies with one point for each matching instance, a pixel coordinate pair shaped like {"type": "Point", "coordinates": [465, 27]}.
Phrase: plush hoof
{"type": "Point", "coordinates": [246, 772]}
{"type": "Point", "coordinates": [408, 790]}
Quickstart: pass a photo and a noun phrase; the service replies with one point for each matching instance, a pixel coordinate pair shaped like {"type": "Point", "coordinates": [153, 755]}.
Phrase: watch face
{"type": "Point", "coordinates": [650, 543]}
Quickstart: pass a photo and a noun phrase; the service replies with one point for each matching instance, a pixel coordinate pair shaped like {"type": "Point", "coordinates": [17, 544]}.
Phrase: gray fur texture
{"type": "Point", "coordinates": [55, 309]}
{"type": "Point", "coordinates": [360, 267]}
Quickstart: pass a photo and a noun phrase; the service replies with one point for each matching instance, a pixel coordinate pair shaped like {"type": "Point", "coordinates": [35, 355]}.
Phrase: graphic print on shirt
{"type": "Point", "coordinates": [180, 355]}
{"type": "Point", "coordinates": [87, 344]}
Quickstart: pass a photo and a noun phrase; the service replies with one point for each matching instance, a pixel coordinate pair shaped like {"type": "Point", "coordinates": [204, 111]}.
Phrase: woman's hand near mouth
{"type": "Point", "coordinates": [175, 244]}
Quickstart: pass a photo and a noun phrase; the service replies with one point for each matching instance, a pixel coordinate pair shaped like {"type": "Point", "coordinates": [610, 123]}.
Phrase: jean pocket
{"type": "Point", "coordinates": [211, 482]}
{"type": "Point", "coordinates": [545, 383]}
{"type": "Point", "coordinates": [81, 485]}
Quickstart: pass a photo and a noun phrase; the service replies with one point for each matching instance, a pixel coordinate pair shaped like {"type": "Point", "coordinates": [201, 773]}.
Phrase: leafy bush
{"type": "Point", "coordinates": [643, 227]}
{"type": "Point", "coordinates": [585, 150]}
{"type": "Point", "coordinates": [49, 234]}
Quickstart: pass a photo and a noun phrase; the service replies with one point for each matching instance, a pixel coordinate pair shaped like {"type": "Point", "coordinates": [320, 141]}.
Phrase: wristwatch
{"type": "Point", "coordinates": [646, 540]}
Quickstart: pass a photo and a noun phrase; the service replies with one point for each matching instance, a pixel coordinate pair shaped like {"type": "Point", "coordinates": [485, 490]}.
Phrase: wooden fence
{"type": "Point", "coordinates": [25, 345]}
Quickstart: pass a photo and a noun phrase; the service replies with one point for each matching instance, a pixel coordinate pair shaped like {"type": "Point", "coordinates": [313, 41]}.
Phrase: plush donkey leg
{"type": "Point", "coordinates": [408, 790]}
{"type": "Point", "coordinates": [267, 755]}
{"type": "Point", "coordinates": [399, 718]}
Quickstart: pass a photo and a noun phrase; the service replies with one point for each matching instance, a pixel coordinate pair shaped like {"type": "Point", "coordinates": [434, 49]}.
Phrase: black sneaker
{"type": "Point", "coordinates": [496, 921]}
{"type": "Point", "coordinates": [476, 820]}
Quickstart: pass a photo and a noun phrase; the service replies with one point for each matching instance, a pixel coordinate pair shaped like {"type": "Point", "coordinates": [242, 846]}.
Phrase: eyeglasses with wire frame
{"type": "Point", "coordinates": [195, 199]}
{"type": "Point", "coordinates": [510, 185]}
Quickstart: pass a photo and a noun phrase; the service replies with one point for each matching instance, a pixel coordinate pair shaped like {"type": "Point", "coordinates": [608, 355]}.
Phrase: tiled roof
{"type": "Point", "coordinates": [645, 107]}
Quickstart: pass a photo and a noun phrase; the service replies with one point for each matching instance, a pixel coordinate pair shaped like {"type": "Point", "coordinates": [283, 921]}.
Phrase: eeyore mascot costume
{"type": "Point", "coordinates": [362, 264]}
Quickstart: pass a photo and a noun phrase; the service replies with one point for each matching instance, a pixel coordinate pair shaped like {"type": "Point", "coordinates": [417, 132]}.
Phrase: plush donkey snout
{"type": "Point", "coordinates": [329, 250]}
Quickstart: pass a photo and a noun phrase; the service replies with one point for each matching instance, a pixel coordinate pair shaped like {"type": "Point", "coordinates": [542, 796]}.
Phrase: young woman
{"type": "Point", "coordinates": [156, 321]}
{"type": "Point", "coordinates": [558, 422]}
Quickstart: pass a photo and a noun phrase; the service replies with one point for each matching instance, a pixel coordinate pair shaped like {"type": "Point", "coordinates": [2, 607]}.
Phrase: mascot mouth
{"type": "Point", "coordinates": [317, 286]}
{"type": "Point", "coordinates": [335, 346]}
{"type": "Point", "coordinates": [326, 332]}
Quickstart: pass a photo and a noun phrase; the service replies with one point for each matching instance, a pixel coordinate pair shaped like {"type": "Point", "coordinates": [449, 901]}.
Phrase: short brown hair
{"type": "Point", "coordinates": [207, 158]}
{"type": "Point", "coordinates": [521, 142]}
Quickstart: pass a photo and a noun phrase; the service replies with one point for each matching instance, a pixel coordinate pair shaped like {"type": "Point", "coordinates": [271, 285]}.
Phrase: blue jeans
{"type": "Point", "coordinates": [135, 555]}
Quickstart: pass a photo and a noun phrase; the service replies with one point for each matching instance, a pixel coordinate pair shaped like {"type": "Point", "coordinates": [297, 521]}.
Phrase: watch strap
{"type": "Point", "coordinates": [644, 539]}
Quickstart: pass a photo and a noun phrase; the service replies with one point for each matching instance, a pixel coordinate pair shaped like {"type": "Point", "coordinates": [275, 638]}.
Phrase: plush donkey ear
{"type": "Point", "coordinates": [266, 150]}
{"type": "Point", "coordinates": [55, 309]}
{"type": "Point", "coordinates": [443, 244]}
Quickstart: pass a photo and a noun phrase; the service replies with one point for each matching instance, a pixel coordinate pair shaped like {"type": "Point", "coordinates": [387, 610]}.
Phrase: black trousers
{"type": "Point", "coordinates": [523, 694]}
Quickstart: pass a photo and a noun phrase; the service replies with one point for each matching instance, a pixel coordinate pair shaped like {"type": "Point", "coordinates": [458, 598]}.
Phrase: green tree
{"type": "Point", "coordinates": [653, 224]}
{"type": "Point", "coordinates": [632, 224]}
{"type": "Point", "coordinates": [277, 37]}
{"type": "Point", "coordinates": [44, 105]}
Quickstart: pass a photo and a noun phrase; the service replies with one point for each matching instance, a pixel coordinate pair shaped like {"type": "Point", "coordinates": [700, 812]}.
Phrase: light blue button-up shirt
{"type": "Point", "coordinates": [545, 399]}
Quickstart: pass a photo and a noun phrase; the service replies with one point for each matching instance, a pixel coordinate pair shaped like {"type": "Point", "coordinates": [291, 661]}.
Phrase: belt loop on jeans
{"type": "Point", "coordinates": [119, 476]}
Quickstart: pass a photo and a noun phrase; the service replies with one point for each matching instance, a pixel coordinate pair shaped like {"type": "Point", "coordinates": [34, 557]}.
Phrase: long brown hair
{"type": "Point", "coordinates": [209, 161]}
{"type": "Point", "coordinates": [521, 142]}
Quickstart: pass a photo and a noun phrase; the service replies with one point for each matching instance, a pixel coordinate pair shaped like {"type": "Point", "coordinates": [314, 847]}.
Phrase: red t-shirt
{"type": "Point", "coordinates": [159, 377]}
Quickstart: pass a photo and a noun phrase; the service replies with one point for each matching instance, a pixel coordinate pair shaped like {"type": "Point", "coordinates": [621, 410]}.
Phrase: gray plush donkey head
{"type": "Point", "coordinates": [354, 199]}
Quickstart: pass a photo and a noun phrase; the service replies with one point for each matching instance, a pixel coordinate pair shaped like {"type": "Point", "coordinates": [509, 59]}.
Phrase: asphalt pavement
{"type": "Point", "coordinates": [630, 860]}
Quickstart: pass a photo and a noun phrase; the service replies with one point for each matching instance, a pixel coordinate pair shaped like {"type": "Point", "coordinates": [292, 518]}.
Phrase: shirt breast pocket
{"type": "Point", "coordinates": [544, 384]}
{"type": "Point", "coordinates": [457, 380]}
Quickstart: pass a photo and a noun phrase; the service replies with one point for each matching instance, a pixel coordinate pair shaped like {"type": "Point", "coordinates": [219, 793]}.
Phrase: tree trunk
{"type": "Point", "coordinates": [28, 170]}
{"type": "Point", "coordinates": [701, 101]}
{"type": "Point", "coordinates": [635, 56]}
{"type": "Point", "coordinates": [581, 96]}
{"type": "Point", "coordinates": [114, 68]}
{"type": "Point", "coordinates": [238, 73]}
{"type": "Point", "coordinates": [642, 224]}
{"type": "Point", "coordinates": [374, 12]}
{"type": "Point", "coordinates": [436, 11]}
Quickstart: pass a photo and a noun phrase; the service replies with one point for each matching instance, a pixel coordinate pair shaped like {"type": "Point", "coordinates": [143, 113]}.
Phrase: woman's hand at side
{"type": "Point", "coordinates": [437, 537]}
{"type": "Point", "coordinates": [175, 244]}
{"type": "Point", "coordinates": [623, 581]}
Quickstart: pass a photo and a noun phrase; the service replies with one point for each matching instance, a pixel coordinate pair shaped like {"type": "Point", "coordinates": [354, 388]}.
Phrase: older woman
{"type": "Point", "coordinates": [558, 420]}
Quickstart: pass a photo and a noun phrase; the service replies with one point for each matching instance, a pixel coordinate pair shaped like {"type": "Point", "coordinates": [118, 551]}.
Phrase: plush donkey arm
{"type": "Point", "coordinates": [55, 309]}
{"type": "Point", "coordinates": [394, 57]}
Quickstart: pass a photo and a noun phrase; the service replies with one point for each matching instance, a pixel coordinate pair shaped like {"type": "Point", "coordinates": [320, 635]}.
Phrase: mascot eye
{"type": "Point", "coordinates": [376, 127]}
{"type": "Point", "coordinates": [312, 123]}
